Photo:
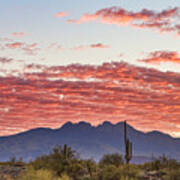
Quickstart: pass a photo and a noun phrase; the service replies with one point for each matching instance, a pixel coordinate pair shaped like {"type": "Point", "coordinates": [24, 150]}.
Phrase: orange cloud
{"type": "Point", "coordinates": [99, 45]}
{"type": "Point", "coordinates": [80, 47]}
{"type": "Point", "coordinates": [15, 45]}
{"type": "Point", "coordinates": [6, 39]}
{"type": "Point", "coordinates": [164, 21]}
{"type": "Point", "coordinates": [18, 34]}
{"type": "Point", "coordinates": [93, 46]}
{"type": "Point", "coordinates": [162, 56]}
{"type": "Point", "coordinates": [61, 14]}
{"type": "Point", "coordinates": [29, 49]}
{"type": "Point", "coordinates": [147, 98]}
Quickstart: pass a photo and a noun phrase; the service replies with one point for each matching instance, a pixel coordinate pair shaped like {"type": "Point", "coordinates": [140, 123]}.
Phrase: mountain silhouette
{"type": "Point", "coordinates": [89, 141]}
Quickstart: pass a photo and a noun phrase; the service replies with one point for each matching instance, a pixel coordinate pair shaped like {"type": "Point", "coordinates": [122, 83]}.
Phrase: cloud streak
{"type": "Point", "coordinates": [50, 96]}
{"type": "Point", "coordinates": [91, 46]}
{"type": "Point", "coordinates": [14, 45]}
{"type": "Point", "coordinates": [163, 21]}
{"type": "Point", "coordinates": [5, 60]}
{"type": "Point", "coordinates": [79, 48]}
{"type": "Point", "coordinates": [28, 49]}
{"type": "Point", "coordinates": [162, 56]}
{"type": "Point", "coordinates": [18, 34]}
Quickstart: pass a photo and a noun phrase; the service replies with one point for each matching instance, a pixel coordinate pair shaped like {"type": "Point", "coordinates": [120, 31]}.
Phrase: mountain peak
{"type": "Point", "coordinates": [67, 125]}
{"type": "Point", "coordinates": [106, 126]}
{"type": "Point", "coordinates": [121, 123]}
{"type": "Point", "coordinates": [107, 123]}
{"type": "Point", "coordinates": [83, 125]}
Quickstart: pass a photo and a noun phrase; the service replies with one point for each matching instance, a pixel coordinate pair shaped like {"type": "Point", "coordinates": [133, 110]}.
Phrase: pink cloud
{"type": "Point", "coordinates": [80, 47]}
{"type": "Point", "coordinates": [164, 21]}
{"type": "Point", "coordinates": [61, 14]}
{"type": "Point", "coordinates": [29, 49]}
{"type": "Point", "coordinates": [99, 45]}
{"type": "Point", "coordinates": [15, 45]}
{"type": "Point", "coordinates": [162, 56]}
{"type": "Point", "coordinates": [6, 39]}
{"type": "Point", "coordinates": [91, 46]}
{"type": "Point", "coordinates": [148, 98]}
{"type": "Point", "coordinates": [18, 34]}
{"type": "Point", "coordinates": [5, 60]}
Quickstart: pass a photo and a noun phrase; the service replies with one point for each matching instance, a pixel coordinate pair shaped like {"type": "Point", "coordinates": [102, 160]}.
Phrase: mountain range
{"type": "Point", "coordinates": [89, 141]}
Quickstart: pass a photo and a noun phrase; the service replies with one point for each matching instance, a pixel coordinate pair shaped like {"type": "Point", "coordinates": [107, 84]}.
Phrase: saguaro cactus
{"type": "Point", "coordinates": [128, 145]}
{"type": "Point", "coordinates": [65, 151]}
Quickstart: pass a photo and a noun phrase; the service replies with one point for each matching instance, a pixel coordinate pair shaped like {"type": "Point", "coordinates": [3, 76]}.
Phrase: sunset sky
{"type": "Point", "coordinates": [94, 61]}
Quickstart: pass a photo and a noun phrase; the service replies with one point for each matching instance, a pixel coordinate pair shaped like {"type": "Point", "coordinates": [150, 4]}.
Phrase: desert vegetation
{"type": "Point", "coordinates": [65, 164]}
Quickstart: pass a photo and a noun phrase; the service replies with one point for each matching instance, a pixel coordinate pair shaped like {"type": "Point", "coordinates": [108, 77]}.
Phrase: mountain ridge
{"type": "Point", "coordinates": [88, 140]}
{"type": "Point", "coordinates": [99, 125]}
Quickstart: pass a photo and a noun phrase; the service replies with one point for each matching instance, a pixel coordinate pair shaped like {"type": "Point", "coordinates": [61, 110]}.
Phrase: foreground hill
{"type": "Point", "coordinates": [89, 142]}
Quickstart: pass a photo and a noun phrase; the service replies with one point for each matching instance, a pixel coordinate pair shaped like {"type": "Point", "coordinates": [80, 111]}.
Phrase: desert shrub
{"type": "Point", "coordinates": [156, 164]}
{"type": "Point", "coordinates": [123, 172]}
{"type": "Point", "coordinates": [77, 170]}
{"type": "Point", "coordinates": [43, 162]}
{"type": "Point", "coordinates": [173, 174]}
{"type": "Point", "coordinates": [42, 174]}
{"type": "Point", "coordinates": [64, 177]}
{"type": "Point", "coordinates": [60, 160]}
{"type": "Point", "coordinates": [161, 163]}
{"type": "Point", "coordinates": [128, 178]}
{"type": "Point", "coordinates": [91, 167]}
{"type": "Point", "coordinates": [111, 159]}
{"type": "Point", "coordinates": [109, 172]}
{"type": "Point", "coordinates": [173, 164]}
{"type": "Point", "coordinates": [129, 172]}
{"type": "Point", "coordinates": [63, 161]}
{"type": "Point", "coordinates": [6, 177]}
